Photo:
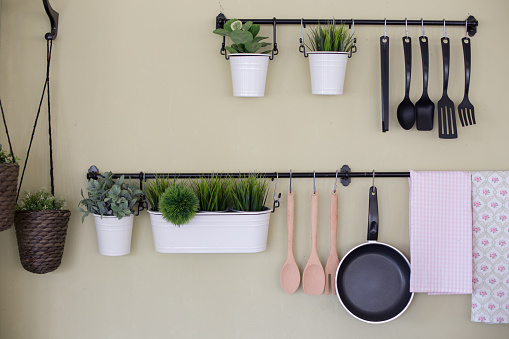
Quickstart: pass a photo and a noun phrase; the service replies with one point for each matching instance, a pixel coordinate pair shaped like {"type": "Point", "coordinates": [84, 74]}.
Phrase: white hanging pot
{"type": "Point", "coordinates": [114, 235]}
{"type": "Point", "coordinates": [249, 72]}
{"type": "Point", "coordinates": [213, 232]}
{"type": "Point", "coordinates": [327, 72]}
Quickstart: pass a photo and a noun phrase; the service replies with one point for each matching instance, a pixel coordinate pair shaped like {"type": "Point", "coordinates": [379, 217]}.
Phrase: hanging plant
{"type": "Point", "coordinates": [41, 229]}
{"type": "Point", "coordinates": [9, 171]}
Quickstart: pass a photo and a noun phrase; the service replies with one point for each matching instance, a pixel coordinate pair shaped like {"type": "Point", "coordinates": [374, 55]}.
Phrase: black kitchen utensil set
{"type": "Point", "coordinates": [422, 113]}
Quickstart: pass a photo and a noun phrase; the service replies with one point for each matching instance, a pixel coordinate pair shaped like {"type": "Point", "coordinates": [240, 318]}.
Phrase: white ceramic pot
{"type": "Point", "coordinates": [212, 232]}
{"type": "Point", "coordinates": [249, 72]}
{"type": "Point", "coordinates": [114, 235]}
{"type": "Point", "coordinates": [327, 72]}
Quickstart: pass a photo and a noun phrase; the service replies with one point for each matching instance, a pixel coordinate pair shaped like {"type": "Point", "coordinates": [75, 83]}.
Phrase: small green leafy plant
{"type": "Point", "coordinates": [244, 37]}
{"type": "Point", "coordinates": [214, 193]}
{"type": "Point", "coordinates": [109, 197]}
{"type": "Point", "coordinates": [40, 201]}
{"type": "Point", "coordinates": [330, 38]}
{"type": "Point", "coordinates": [6, 158]}
{"type": "Point", "coordinates": [178, 204]}
{"type": "Point", "coordinates": [249, 193]}
{"type": "Point", "coordinates": [154, 189]}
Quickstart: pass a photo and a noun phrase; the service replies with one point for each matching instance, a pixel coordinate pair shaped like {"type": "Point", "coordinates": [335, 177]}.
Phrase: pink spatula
{"type": "Point", "coordinates": [313, 278]}
{"type": "Point", "coordinates": [290, 274]}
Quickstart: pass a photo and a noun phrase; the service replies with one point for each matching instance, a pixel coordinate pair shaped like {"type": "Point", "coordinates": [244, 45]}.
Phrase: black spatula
{"type": "Point", "coordinates": [424, 108]}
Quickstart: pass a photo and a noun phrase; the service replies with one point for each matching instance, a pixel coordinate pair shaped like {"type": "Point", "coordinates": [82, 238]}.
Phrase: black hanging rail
{"type": "Point", "coordinates": [471, 22]}
{"type": "Point", "coordinates": [345, 175]}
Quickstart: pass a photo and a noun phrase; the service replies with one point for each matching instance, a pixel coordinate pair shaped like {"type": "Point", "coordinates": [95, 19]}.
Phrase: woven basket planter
{"type": "Point", "coordinates": [41, 238]}
{"type": "Point", "coordinates": [8, 185]}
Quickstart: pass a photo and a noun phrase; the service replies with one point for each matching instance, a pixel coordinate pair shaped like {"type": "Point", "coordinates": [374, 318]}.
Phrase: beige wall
{"type": "Point", "coordinates": [140, 86]}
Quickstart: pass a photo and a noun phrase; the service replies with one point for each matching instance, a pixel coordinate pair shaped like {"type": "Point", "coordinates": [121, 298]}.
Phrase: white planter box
{"type": "Point", "coordinates": [213, 232]}
{"type": "Point", "coordinates": [114, 235]}
{"type": "Point", "coordinates": [249, 72]}
{"type": "Point", "coordinates": [327, 72]}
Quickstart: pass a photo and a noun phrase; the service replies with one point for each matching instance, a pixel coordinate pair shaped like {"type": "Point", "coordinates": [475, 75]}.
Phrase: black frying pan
{"type": "Point", "coordinates": [373, 279]}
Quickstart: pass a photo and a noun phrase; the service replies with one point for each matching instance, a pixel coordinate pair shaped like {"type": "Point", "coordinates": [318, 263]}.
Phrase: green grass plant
{"type": "Point", "coordinates": [249, 193]}
{"type": "Point", "coordinates": [330, 38]}
{"type": "Point", "coordinates": [214, 193]}
{"type": "Point", "coordinates": [154, 189]}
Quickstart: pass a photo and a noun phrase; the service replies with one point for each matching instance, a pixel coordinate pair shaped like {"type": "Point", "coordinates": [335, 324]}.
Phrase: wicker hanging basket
{"type": "Point", "coordinates": [41, 238]}
{"type": "Point", "coordinates": [8, 185]}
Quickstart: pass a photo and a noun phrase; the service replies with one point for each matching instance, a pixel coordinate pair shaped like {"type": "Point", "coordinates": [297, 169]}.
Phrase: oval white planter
{"type": "Point", "coordinates": [249, 72]}
{"type": "Point", "coordinates": [327, 72]}
{"type": "Point", "coordinates": [114, 235]}
{"type": "Point", "coordinates": [213, 232]}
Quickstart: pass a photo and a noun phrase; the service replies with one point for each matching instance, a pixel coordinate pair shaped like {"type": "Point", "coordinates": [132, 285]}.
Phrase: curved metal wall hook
{"type": "Point", "coordinates": [353, 49]}
{"type": "Point", "coordinates": [314, 185]}
{"type": "Point", "coordinates": [53, 19]}
{"type": "Point", "coordinates": [275, 51]}
{"type": "Point", "coordinates": [276, 202]}
{"type": "Point", "coordinates": [302, 47]}
{"type": "Point", "coordinates": [373, 186]}
{"type": "Point", "coordinates": [336, 181]}
{"type": "Point", "coordinates": [290, 181]}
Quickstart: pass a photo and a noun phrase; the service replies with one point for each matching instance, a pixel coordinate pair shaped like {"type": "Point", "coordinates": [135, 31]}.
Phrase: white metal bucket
{"type": "Point", "coordinates": [249, 72]}
{"type": "Point", "coordinates": [327, 72]}
{"type": "Point", "coordinates": [114, 235]}
{"type": "Point", "coordinates": [212, 232]}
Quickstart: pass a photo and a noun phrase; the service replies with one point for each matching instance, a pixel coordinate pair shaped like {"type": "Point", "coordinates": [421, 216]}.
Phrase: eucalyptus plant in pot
{"type": "Point", "coordinates": [200, 220]}
{"type": "Point", "coordinates": [248, 65]}
{"type": "Point", "coordinates": [330, 47]}
{"type": "Point", "coordinates": [112, 204]}
{"type": "Point", "coordinates": [41, 228]}
{"type": "Point", "coordinates": [9, 170]}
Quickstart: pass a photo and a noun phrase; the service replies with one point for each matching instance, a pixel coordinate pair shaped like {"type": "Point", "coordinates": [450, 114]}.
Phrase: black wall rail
{"type": "Point", "coordinates": [345, 175]}
{"type": "Point", "coordinates": [470, 24]}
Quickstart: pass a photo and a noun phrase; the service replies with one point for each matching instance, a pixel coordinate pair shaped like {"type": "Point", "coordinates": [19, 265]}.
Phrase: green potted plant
{"type": "Point", "coordinates": [41, 228]}
{"type": "Point", "coordinates": [214, 228]}
{"type": "Point", "coordinates": [248, 65]}
{"type": "Point", "coordinates": [112, 204]}
{"type": "Point", "coordinates": [9, 171]}
{"type": "Point", "coordinates": [330, 47]}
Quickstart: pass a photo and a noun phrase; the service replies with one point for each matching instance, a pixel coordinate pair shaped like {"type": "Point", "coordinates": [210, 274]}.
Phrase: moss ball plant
{"type": "Point", "coordinates": [178, 204]}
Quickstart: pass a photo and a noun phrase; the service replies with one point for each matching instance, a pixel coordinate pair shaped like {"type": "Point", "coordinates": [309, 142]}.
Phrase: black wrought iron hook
{"type": "Point", "coordinates": [53, 19]}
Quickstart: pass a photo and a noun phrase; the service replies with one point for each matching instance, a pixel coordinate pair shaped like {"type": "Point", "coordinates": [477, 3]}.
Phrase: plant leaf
{"type": "Point", "coordinates": [241, 37]}
{"type": "Point", "coordinates": [254, 29]}
{"type": "Point", "coordinates": [222, 31]}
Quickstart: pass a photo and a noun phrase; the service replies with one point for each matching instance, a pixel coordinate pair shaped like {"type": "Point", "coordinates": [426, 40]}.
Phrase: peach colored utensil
{"type": "Point", "coordinates": [313, 278]}
{"type": "Point", "coordinates": [290, 274]}
{"type": "Point", "coordinates": [333, 262]}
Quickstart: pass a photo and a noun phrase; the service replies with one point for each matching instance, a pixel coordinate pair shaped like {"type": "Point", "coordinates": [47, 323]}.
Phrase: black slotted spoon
{"type": "Point", "coordinates": [446, 114]}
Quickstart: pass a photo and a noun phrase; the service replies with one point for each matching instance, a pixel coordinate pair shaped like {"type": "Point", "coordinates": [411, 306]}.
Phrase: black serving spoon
{"type": "Point", "coordinates": [406, 109]}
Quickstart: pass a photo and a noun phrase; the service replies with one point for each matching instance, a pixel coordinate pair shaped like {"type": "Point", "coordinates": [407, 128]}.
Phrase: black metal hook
{"type": "Point", "coordinates": [53, 18]}
{"type": "Point", "coordinates": [275, 51]}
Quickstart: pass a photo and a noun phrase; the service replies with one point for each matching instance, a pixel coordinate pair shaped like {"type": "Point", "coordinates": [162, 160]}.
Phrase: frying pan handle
{"type": "Point", "coordinates": [373, 215]}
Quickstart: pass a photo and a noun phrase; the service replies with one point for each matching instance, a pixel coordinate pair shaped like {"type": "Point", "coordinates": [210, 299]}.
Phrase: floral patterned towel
{"type": "Point", "coordinates": [441, 232]}
{"type": "Point", "coordinates": [490, 200]}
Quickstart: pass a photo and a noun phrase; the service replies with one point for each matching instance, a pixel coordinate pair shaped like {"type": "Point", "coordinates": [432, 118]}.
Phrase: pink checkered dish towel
{"type": "Point", "coordinates": [441, 232]}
